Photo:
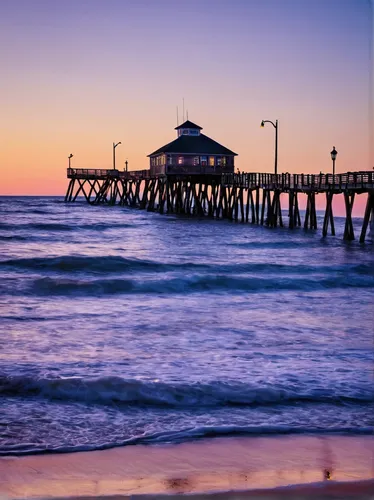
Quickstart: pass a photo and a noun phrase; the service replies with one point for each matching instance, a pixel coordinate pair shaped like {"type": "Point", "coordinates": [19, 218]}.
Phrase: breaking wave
{"type": "Point", "coordinates": [46, 286]}
{"type": "Point", "coordinates": [104, 264]}
{"type": "Point", "coordinates": [56, 226]}
{"type": "Point", "coordinates": [109, 390]}
{"type": "Point", "coordinates": [179, 436]}
{"type": "Point", "coordinates": [115, 264]}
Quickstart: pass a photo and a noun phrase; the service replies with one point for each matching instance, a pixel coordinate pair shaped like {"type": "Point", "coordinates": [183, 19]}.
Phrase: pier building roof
{"type": "Point", "coordinates": [191, 141]}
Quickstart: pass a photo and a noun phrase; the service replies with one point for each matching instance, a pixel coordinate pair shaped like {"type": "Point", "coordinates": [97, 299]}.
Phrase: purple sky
{"type": "Point", "coordinates": [80, 74]}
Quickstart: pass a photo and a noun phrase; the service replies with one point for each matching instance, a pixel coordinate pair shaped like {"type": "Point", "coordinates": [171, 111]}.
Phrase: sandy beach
{"type": "Point", "coordinates": [332, 464]}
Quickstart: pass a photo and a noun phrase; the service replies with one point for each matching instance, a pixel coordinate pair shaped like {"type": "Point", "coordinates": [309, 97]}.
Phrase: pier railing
{"type": "Point", "coordinates": [104, 173]}
{"type": "Point", "coordinates": [284, 182]}
{"type": "Point", "coordinates": [301, 182]}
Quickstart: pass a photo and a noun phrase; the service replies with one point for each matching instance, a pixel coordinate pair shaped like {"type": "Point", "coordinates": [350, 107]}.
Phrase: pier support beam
{"type": "Point", "coordinates": [275, 214]}
{"type": "Point", "coordinates": [291, 206]}
{"type": "Point", "coordinates": [257, 205]}
{"type": "Point", "coordinates": [274, 211]}
{"type": "Point", "coordinates": [293, 210]}
{"type": "Point", "coordinates": [93, 188]}
{"type": "Point", "coordinates": [310, 213]}
{"type": "Point", "coordinates": [81, 188]}
{"type": "Point", "coordinates": [329, 217]}
{"type": "Point", "coordinates": [69, 191]}
{"type": "Point", "coordinates": [101, 195]}
{"type": "Point", "coordinates": [265, 201]}
{"type": "Point", "coordinates": [369, 212]}
{"type": "Point", "coordinates": [348, 230]}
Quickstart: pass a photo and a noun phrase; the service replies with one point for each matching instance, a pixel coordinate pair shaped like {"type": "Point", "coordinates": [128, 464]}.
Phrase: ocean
{"type": "Point", "coordinates": [121, 327]}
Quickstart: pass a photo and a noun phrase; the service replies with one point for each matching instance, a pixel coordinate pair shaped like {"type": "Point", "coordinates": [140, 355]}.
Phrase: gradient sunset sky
{"type": "Point", "coordinates": [77, 75]}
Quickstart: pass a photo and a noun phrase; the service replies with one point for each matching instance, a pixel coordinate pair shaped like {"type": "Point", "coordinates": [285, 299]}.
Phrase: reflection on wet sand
{"type": "Point", "coordinates": [180, 485]}
{"type": "Point", "coordinates": [204, 466]}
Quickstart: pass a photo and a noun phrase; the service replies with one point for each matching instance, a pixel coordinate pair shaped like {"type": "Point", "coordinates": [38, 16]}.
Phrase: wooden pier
{"type": "Point", "coordinates": [244, 197]}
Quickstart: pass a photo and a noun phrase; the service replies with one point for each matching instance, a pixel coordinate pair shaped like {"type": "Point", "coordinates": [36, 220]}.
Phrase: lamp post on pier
{"type": "Point", "coordinates": [333, 157]}
{"type": "Point", "coordinates": [69, 158]}
{"type": "Point", "coordinates": [126, 165]}
{"type": "Point", "coordinates": [114, 154]}
{"type": "Point", "coordinates": [275, 125]}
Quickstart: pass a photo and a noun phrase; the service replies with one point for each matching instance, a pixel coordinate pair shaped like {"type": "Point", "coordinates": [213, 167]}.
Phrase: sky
{"type": "Point", "coordinates": [78, 75]}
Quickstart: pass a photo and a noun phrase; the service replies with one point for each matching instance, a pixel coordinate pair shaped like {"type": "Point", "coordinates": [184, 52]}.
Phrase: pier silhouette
{"type": "Point", "coordinates": [245, 197]}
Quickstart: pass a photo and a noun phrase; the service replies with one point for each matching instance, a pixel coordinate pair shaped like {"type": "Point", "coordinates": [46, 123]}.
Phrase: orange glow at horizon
{"type": "Point", "coordinates": [78, 86]}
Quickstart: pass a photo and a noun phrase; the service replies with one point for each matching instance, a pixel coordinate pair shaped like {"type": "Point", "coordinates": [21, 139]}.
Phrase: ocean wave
{"type": "Point", "coordinates": [104, 264]}
{"type": "Point", "coordinates": [50, 226]}
{"type": "Point", "coordinates": [116, 264]}
{"type": "Point", "coordinates": [112, 389]}
{"type": "Point", "coordinates": [56, 226]}
{"type": "Point", "coordinates": [199, 283]}
{"type": "Point", "coordinates": [180, 436]}
{"type": "Point", "coordinates": [276, 245]}
{"type": "Point", "coordinates": [13, 237]}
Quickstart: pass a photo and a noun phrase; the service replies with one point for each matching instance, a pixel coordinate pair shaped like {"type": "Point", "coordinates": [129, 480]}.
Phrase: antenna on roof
{"type": "Point", "coordinates": [183, 109]}
{"type": "Point", "coordinates": [177, 118]}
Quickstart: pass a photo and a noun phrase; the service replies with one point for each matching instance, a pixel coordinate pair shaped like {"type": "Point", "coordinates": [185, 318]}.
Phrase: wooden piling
{"type": "Point", "coordinates": [328, 215]}
{"type": "Point", "coordinates": [348, 229]}
{"type": "Point", "coordinates": [369, 212]}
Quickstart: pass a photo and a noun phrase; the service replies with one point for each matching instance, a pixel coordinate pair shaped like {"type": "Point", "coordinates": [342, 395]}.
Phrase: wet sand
{"type": "Point", "coordinates": [254, 466]}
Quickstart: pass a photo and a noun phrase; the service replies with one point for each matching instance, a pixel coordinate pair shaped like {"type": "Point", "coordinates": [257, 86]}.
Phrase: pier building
{"type": "Point", "coordinates": [191, 153]}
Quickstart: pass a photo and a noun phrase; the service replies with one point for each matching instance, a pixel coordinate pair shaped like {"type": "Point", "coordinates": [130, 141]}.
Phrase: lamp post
{"type": "Point", "coordinates": [126, 165]}
{"type": "Point", "coordinates": [69, 158]}
{"type": "Point", "coordinates": [333, 157]}
{"type": "Point", "coordinates": [114, 154]}
{"type": "Point", "coordinates": [275, 125]}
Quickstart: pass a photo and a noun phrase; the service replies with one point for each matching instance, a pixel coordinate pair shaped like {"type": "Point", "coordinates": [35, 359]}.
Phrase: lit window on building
{"type": "Point", "coordinates": [196, 161]}
{"type": "Point", "coordinates": [223, 161]}
{"type": "Point", "coordinates": [219, 161]}
{"type": "Point", "coordinates": [211, 161]}
{"type": "Point", "coordinates": [203, 160]}
{"type": "Point", "coordinates": [180, 160]}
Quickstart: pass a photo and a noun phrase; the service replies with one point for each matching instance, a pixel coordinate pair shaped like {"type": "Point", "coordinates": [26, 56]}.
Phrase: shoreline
{"type": "Point", "coordinates": [249, 466]}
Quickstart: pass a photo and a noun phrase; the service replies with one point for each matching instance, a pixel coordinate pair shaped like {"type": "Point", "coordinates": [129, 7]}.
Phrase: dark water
{"type": "Point", "coordinates": [121, 326]}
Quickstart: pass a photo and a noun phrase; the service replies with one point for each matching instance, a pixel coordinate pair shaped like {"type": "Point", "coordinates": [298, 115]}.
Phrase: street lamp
{"type": "Point", "coordinates": [275, 125]}
{"type": "Point", "coordinates": [333, 157]}
{"type": "Point", "coordinates": [69, 158]}
{"type": "Point", "coordinates": [126, 165]}
{"type": "Point", "coordinates": [114, 154]}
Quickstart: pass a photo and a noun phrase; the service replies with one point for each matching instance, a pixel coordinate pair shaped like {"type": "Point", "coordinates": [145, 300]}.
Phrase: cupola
{"type": "Point", "coordinates": [188, 128]}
